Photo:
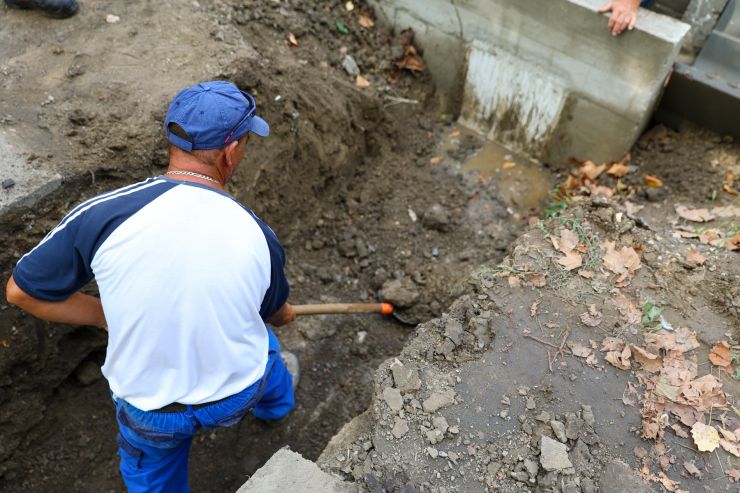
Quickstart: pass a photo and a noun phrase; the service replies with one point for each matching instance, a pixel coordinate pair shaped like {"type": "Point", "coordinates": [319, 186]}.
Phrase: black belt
{"type": "Point", "coordinates": [176, 407]}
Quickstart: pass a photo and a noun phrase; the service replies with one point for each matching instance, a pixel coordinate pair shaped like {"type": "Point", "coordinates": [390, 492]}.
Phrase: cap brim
{"type": "Point", "coordinates": [259, 126]}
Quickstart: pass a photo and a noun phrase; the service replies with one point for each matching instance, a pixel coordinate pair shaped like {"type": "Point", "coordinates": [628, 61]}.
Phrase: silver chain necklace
{"type": "Point", "coordinates": [193, 173]}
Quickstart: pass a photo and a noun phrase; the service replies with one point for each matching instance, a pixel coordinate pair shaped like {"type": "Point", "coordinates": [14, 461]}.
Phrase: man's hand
{"type": "Point", "coordinates": [283, 316]}
{"type": "Point", "coordinates": [624, 15]}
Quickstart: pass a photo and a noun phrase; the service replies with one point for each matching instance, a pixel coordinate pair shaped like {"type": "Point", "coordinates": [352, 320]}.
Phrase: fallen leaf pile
{"type": "Point", "coordinates": [716, 236]}
{"type": "Point", "coordinates": [410, 59]}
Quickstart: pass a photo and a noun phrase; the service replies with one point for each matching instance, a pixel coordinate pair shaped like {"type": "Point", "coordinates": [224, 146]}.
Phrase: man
{"type": "Point", "coordinates": [58, 9]}
{"type": "Point", "coordinates": [187, 278]}
{"type": "Point", "coordinates": [624, 14]}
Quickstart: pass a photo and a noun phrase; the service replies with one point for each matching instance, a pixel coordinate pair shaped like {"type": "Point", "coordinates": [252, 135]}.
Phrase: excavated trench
{"type": "Point", "coordinates": [354, 210]}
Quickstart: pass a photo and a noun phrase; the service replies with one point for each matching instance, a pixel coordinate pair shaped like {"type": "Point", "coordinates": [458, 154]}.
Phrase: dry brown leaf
{"type": "Point", "coordinates": [704, 393]}
{"type": "Point", "coordinates": [733, 243]}
{"type": "Point", "coordinates": [681, 339]}
{"type": "Point", "coordinates": [679, 431]}
{"type": "Point", "coordinates": [508, 165]}
{"type": "Point", "coordinates": [692, 469]}
{"type": "Point", "coordinates": [618, 170]}
{"type": "Point", "coordinates": [591, 170]}
{"type": "Point", "coordinates": [653, 181]}
{"type": "Point", "coordinates": [696, 215]}
{"type": "Point", "coordinates": [579, 349]}
{"type": "Point", "coordinates": [436, 160]}
{"type": "Point", "coordinates": [734, 475]}
{"type": "Point", "coordinates": [668, 483]}
{"type": "Point", "coordinates": [572, 260]}
{"type": "Point", "coordinates": [628, 310]}
{"type": "Point", "coordinates": [709, 236]}
{"type": "Point", "coordinates": [360, 81]}
{"type": "Point", "coordinates": [721, 356]}
{"type": "Point", "coordinates": [533, 309]}
{"type": "Point", "coordinates": [535, 279]}
{"type": "Point", "coordinates": [649, 361]}
{"type": "Point", "coordinates": [620, 261]}
{"type": "Point", "coordinates": [687, 414]}
{"type": "Point", "coordinates": [592, 360]}
{"type": "Point", "coordinates": [726, 211]}
{"type": "Point", "coordinates": [705, 437]}
{"type": "Point", "coordinates": [514, 282]}
{"type": "Point", "coordinates": [619, 359]}
{"type": "Point", "coordinates": [727, 435]}
{"type": "Point", "coordinates": [291, 39]}
{"type": "Point", "coordinates": [454, 133]}
{"type": "Point", "coordinates": [694, 257]}
{"type": "Point", "coordinates": [366, 21]}
{"type": "Point", "coordinates": [633, 208]}
{"type": "Point", "coordinates": [592, 317]}
{"type": "Point", "coordinates": [612, 344]}
{"type": "Point", "coordinates": [730, 447]}
{"type": "Point", "coordinates": [600, 190]}
{"type": "Point", "coordinates": [410, 62]}
{"type": "Point", "coordinates": [586, 274]}
{"type": "Point", "coordinates": [566, 242]}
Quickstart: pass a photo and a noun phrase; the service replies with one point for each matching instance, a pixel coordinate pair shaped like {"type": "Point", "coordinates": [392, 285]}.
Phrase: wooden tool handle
{"type": "Point", "coordinates": [384, 308]}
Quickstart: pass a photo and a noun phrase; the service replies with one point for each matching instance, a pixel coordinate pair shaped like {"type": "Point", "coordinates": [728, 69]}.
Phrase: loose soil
{"type": "Point", "coordinates": [349, 179]}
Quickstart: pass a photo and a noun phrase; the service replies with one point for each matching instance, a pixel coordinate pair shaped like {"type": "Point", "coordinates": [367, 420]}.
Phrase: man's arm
{"type": "Point", "coordinates": [283, 316]}
{"type": "Point", "coordinates": [78, 309]}
{"type": "Point", "coordinates": [624, 14]}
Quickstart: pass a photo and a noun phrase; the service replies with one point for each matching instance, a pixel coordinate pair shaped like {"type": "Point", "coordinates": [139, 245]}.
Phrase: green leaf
{"type": "Point", "coordinates": [650, 313]}
{"type": "Point", "coordinates": [342, 28]}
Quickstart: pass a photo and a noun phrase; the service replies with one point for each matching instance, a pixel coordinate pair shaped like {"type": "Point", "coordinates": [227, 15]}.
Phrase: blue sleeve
{"type": "Point", "coordinates": [646, 3]}
{"type": "Point", "coordinates": [58, 266]}
{"type": "Point", "coordinates": [277, 293]}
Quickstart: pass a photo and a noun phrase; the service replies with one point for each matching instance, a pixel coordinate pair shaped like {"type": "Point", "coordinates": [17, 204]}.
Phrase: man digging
{"type": "Point", "coordinates": [187, 278]}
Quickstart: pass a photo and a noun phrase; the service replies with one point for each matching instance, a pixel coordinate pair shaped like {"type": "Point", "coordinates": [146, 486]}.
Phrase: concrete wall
{"type": "Point", "coordinates": [543, 76]}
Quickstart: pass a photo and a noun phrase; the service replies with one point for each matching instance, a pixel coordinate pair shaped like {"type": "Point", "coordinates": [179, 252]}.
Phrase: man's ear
{"type": "Point", "coordinates": [229, 153]}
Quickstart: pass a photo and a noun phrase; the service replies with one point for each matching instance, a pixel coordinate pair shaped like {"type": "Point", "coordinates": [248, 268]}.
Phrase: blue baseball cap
{"type": "Point", "coordinates": [213, 114]}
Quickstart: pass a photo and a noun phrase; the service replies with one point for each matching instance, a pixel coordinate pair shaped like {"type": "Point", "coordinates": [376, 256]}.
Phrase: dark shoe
{"type": "Point", "coordinates": [58, 9]}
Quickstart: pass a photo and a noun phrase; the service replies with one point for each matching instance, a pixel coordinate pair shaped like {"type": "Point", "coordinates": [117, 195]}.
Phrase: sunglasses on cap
{"type": "Point", "coordinates": [251, 108]}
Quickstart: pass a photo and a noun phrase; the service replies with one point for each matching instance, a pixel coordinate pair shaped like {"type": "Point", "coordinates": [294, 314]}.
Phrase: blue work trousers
{"type": "Point", "coordinates": [154, 447]}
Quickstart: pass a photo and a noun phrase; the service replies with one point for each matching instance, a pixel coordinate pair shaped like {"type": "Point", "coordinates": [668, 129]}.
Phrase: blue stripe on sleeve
{"type": "Point", "coordinates": [279, 290]}
{"type": "Point", "coordinates": [60, 264]}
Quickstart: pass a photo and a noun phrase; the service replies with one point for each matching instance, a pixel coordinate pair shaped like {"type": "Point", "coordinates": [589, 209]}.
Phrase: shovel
{"type": "Point", "coordinates": [333, 308]}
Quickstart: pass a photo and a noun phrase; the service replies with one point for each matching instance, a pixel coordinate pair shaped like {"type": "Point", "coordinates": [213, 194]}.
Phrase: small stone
{"type": "Point", "coordinates": [112, 19]}
{"type": "Point", "coordinates": [588, 415]}
{"type": "Point", "coordinates": [400, 428]}
{"type": "Point", "coordinates": [493, 468]}
{"type": "Point", "coordinates": [88, 373]}
{"type": "Point", "coordinates": [393, 398]}
{"type": "Point", "coordinates": [434, 436]}
{"type": "Point", "coordinates": [559, 429]}
{"type": "Point", "coordinates": [521, 476]}
{"type": "Point", "coordinates": [432, 452]}
{"type": "Point", "coordinates": [436, 217]}
{"type": "Point", "coordinates": [350, 66]}
{"type": "Point", "coordinates": [439, 400]}
{"type": "Point", "coordinates": [401, 293]}
{"type": "Point", "coordinates": [406, 378]}
{"type": "Point", "coordinates": [523, 390]}
{"type": "Point", "coordinates": [504, 413]}
{"type": "Point", "coordinates": [367, 445]}
{"type": "Point", "coordinates": [532, 467]}
{"type": "Point", "coordinates": [573, 426]}
{"type": "Point", "coordinates": [554, 455]}
{"type": "Point", "coordinates": [530, 403]}
{"type": "Point", "coordinates": [454, 430]}
{"type": "Point", "coordinates": [544, 417]}
{"type": "Point", "coordinates": [440, 423]}
{"type": "Point", "coordinates": [588, 486]}
{"type": "Point", "coordinates": [8, 183]}
{"type": "Point", "coordinates": [454, 331]}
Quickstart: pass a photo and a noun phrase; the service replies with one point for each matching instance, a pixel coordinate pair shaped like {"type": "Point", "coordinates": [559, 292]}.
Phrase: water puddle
{"type": "Point", "coordinates": [521, 183]}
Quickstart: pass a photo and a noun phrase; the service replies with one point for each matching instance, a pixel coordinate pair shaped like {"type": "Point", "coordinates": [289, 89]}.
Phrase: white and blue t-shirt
{"type": "Point", "coordinates": [186, 276]}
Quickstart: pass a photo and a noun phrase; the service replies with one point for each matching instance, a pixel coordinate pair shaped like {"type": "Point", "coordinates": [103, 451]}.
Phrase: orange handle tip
{"type": "Point", "coordinates": [386, 308]}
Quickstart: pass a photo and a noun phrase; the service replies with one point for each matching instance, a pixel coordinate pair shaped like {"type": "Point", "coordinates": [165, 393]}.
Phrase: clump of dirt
{"type": "Point", "coordinates": [344, 180]}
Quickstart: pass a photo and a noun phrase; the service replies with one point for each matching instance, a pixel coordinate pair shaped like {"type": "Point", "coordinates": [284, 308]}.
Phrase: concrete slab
{"type": "Point", "coordinates": [288, 471]}
{"type": "Point", "coordinates": [534, 65]}
{"type": "Point", "coordinates": [22, 184]}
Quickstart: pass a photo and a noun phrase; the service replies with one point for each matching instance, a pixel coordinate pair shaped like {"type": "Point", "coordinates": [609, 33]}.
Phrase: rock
{"type": "Point", "coordinates": [554, 456]}
{"type": "Point", "coordinates": [8, 183]}
{"type": "Point", "coordinates": [588, 415]}
{"type": "Point", "coordinates": [350, 65]}
{"type": "Point", "coordinates": [440, 423]}
{"type": "Point", "coordinates": [393, 398]}
{"type": "Point", "coordinates": [530, 403]}
{"type": "Point", "coordinates": [532, 467]}
{"type": "Point", "coordinates": [493, 468]}
{"type": "Point", "coordinates": [544, 417]}
{"type": "Point", "coordinates": [454, 331]}
{"type": "Point", "coordinates": [439, 400]}
{"type": "Point", "coordinates": [588, 486]}
{"type": "Point", "coordinates": [434, 436]}
{"type": "Point", "coordinates": [432, 452]}
{"type": "Point", "coordinates": [621, 479]}
{"type": "Point", "coordinates": [401, 293]}
{"type": "Point", "coordinates": [347, 248]}
{"type": "Point", "coordinates": [406, 378]}
{"type": "Point", "coordinates": [581, 457]}
{"type": "Point", "coordinates": [436, 217]}
{"type": "Point", "coordinates": [559, 429]}
{"type": "Point", "coordinates": [88, 373]}
{"type": "Point", "coordinates": [573, 426]}
{"type": "Point", "coordinates": [400, 428]}
{"type": "Point", "coordinates": [521, 476]}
